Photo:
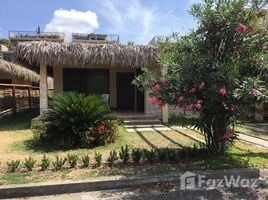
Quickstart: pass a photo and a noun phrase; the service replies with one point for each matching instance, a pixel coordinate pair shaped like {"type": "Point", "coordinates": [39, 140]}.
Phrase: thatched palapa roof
{"type": "Point", "coordinates": [18, 71]}
{"type": "Point", "coordinates": [86, 55]}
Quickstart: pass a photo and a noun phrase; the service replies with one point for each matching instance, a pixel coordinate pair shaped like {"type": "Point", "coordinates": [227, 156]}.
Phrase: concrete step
{"type": "Point", "coordinates": [144, 117]}
{"type": "Point", "coordinates": [145, 126]}
{"type": "Point", "coordinates": [142, 122]}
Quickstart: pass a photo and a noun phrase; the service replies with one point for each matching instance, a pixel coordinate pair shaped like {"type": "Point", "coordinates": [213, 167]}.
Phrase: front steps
{"type": "Point", "coordinates": [140, 120]}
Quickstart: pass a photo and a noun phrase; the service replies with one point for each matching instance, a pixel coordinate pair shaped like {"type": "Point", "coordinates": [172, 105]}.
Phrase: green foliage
{"type": "Point", "coordinates": [45, 163]}
{"type": "Point", "coordinates": [58, 163]}
{"type": "Point", "coordinates": [85, 160]}
{"type": "Point", "coordinates": [150, 155]}
{"type": "Point", "coordinates": [13, 165]}
{"type": "Point", "coordinates": [38, 129]}
{"type": "Point", "coordinates": [172, 154]}
{"type": "Point", "coordinates": [29, 163]}
{"type": "Point", "coordinates": [124, 154]}
{"type": "Point", "coordinates": [162, 154]}
{"type": "Point", "coordinates": [72, 159]}
{"type": "Point", "coordinates": [71, 119]}
{"type": "Point", "coordinates": [216, 70]}
{"type": "Point", "coordinates": [98, 159]}
{"type": "Point", "coordinates": [137, 155]}
{"type": "Point", "coordinates": [112, 158]}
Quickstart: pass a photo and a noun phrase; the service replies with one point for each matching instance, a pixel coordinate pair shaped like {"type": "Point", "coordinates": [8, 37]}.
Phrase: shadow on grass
{"type": "Point", "coordinates": [20, 121]}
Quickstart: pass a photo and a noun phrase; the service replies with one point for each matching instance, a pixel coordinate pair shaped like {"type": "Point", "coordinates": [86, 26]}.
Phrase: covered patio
{"type": "Point", "coordinates": [94, 69]}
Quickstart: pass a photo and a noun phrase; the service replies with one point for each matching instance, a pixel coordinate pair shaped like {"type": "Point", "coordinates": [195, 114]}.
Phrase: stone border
{"type": "Point", "coordinates": [118, 182]}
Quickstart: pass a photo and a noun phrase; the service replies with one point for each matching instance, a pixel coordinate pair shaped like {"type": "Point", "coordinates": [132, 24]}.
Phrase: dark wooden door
{"type": "Point", "coordinates": [125, 91]}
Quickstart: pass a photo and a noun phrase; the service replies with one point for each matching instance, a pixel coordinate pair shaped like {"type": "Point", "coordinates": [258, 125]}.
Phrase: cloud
{"type": "Point", "coordinates": [129, 18]}
{"type": "Point", "coordinates": [70, 21]}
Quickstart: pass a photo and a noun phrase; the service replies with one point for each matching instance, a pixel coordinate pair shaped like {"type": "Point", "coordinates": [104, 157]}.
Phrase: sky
{"type": "Point", "coordinates": [133, 20]}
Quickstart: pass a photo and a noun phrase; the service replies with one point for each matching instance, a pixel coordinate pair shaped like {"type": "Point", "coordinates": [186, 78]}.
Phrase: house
{"type": "Point", "coordinates": [100, 67]}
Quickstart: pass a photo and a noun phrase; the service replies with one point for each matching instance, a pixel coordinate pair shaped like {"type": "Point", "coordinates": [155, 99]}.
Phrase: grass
{"type": "Point", "coordinates": [242, 129]}
{"type": "Point", "coordinates": [16, 138]}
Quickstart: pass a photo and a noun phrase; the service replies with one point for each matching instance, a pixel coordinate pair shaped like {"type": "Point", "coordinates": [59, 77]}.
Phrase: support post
{"type": "Point", "coordinates": [165, 113]}
{"type": "Point", "coordinates": [43, 88]}
{"type": "Point", "coordinates": [14, 102]}
{"type": "Point", "coordinates": [29, 98]}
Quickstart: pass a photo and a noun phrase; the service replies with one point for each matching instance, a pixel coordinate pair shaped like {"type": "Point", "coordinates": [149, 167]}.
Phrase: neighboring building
{"type": "Point", "coordinates": [27, 36]}
{"type": "Point", "coordinates": [95, 38]}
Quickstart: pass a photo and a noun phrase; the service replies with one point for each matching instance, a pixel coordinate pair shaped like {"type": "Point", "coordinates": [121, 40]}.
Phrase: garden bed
{"type": "Point", "coordinates": [16, 144]}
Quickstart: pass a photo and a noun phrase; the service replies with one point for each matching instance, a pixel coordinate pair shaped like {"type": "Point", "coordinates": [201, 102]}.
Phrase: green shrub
{"type": "Point", "coordinates": [59, 163]}
{"type": "Point", "coordinates": [38, 129]}
{"type": "Point", "coordinates": [13, 165]}
{"type": "Point", "coordinates": [172, 154]}
{"type": "Point", "coordinates": [85, 160]}
{"type": "Point", "coordinates": [29, 163]}
{"type": "Point", "coordinates": [98, 159]}
{"type": "Point", "coordinates": [136, 155]}
{"type": "Point", "coordinates": [71, 119]}
{"type": "Point", "coordinates": [149, 155]}
{"type": "Point", "coordinates": [72, 160]}
{"type": "Point", "coordinates": [45, 162]}
{"type": "Point", "coordinates": [112, 158]}
{"type": "Point", "coordinates": [124, 154]}
{"type": "Point", "coordinates": [162, 154]}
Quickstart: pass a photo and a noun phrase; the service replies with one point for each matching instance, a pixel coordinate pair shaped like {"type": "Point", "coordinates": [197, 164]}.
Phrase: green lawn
{"type": "Point", "coordinates": [16, 137]}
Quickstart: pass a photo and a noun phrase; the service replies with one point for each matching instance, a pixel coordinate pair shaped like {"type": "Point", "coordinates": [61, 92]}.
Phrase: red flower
{"type": "Point", "coordinates": [193, 90]}
{"type": "Point", "coordinates": [201, 85]}
{"type": "Point", "coordinates": [180, 99]}
{"type": "Point", "coordinates": [156, 87]}
{"type": "Point", "coordinates": [154, 100]}
{"type": "Point", "coordinates": [223, 91]}
{"type": "Point", "coordinates": [198, 106]}
{"type": "Point", "coordinates": [254, 90]}
{"type": "Point", "coordinates": [188, 107]}
{"type": "Point", "coordinates": [241, 28]}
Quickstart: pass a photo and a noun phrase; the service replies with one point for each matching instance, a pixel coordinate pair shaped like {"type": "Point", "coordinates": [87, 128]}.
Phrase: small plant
{"type": "Point", "coordinates": [124, 154]}
{"type": "Point", "coordinates": [98, 159]}
{"type": "Point", "coordinates": [29, 163]}
{"type": "Point", "coordinates": [72, 160]}
{"type": "Point", "coordinates": [112, 158]}
{"type": "Point", "coordinates": [136, 155]}
{"type": "Point", "coordinates": [85, 160]}
{"type": "Point", "coordinates": [162, 154]}
{"type": "Point", "coordinates": [59, 162]}
{"type": "Point", "coordinates": [172, 154]}
{"type": "Point", "coordinates": [13, 165]}
{"type": "Point", "coordinates": [149, 155]}
{"type": "Point", "coordinates": [45, 162]}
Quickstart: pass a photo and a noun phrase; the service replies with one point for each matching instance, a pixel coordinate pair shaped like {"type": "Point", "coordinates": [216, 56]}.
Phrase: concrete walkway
{"type": "Point", "coordinates": [183, 130]}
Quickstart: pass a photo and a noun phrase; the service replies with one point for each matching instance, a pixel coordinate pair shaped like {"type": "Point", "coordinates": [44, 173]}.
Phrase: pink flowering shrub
{"type": "Point", "coordinates": [217, 70]}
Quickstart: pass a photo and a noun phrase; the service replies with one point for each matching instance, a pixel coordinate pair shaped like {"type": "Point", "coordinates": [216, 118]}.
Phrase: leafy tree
{"type": "Point", "coordinates": [216, 69]}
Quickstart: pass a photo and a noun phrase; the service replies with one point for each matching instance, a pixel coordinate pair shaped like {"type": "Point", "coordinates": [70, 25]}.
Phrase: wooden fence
{"type": "Point", "coordinates": [16, 98]}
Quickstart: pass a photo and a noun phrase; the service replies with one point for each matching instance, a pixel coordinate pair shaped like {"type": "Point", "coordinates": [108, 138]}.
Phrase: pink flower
{"type": "Point", "coordinates": [223, 91]}
{"type": "Point", "coordinates": [198, 106]}
{"type": "Point", "coordinates": [154, 101]}
{"type": "Point", "coordinates": [188, 107]}
{"type": "Point", "coordinates": [180, 99]}
{"type": "Point", "coordinates": [254, 90]}
{"type": "Point", "coordinates": [232, 109]}
{"type": "Point", "coordinates": [241, 28]}
{"type": "Point", "coordinates": [156, 87]}
{"type": "Point", "coordinates": [193, 90]}
{"type": "Point", "coordinates": [225, 106]}
{"type": "Point", "coordinates": [164, 82]}
{"type": "Point", "coordinates": [201, 85]}
{"type": "Point", "coordinates": [229, 135]}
